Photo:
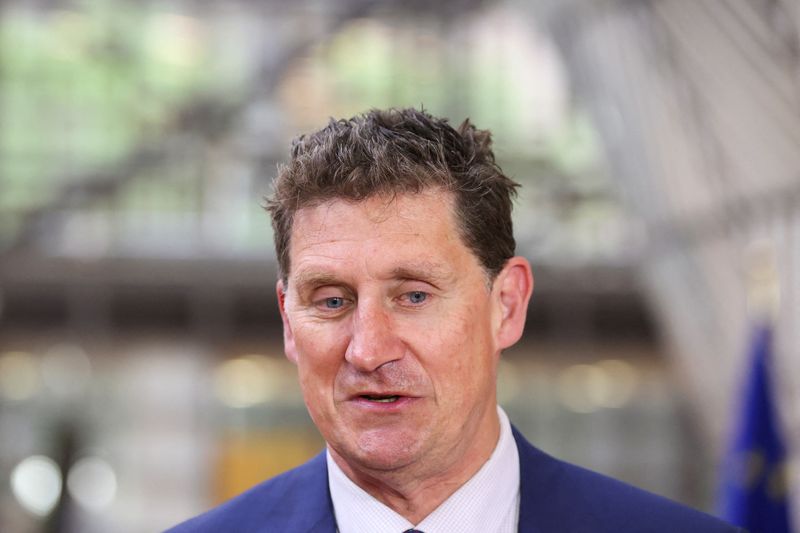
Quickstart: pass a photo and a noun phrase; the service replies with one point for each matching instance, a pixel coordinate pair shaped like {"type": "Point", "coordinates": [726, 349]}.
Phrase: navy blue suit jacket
{"type": "Point", "coordinates": [555, 497]}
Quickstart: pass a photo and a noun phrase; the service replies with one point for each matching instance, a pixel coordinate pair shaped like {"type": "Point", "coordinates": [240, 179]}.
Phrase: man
{"type": "Point", "coordinates": [398, 290]}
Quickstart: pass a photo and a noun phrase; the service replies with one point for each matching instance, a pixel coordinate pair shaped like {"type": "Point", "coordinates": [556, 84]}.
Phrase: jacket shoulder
{"type": "Point", "coordinates": [561, 497]}
{"type": "Point", "coordinates": [297, 500]}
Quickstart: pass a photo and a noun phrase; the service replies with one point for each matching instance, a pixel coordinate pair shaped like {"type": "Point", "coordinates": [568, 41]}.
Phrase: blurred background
{"type": "Point", "coordinates": [142, 378]}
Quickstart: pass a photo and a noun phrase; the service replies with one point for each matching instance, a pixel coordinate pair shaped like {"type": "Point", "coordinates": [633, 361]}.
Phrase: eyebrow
{"type": "Point", "coordinates": [425, 271]}
{"type": "Point", "coordinates": [313, 278]}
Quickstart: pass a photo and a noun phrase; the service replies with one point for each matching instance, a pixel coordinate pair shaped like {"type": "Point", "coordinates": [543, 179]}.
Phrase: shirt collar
{"type": "Point", "coordinates": [488, 497]}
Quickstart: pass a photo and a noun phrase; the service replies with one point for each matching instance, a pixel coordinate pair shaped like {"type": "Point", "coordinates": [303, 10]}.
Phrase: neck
{"type": "Point", "coordinates": [416, 490]}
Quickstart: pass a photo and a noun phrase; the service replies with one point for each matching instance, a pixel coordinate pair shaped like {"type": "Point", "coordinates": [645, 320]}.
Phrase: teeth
{"type": "Point", "coordinates": [382, 399]}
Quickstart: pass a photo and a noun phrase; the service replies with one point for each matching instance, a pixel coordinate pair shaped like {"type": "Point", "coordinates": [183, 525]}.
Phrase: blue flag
{"type": "Point", "coordinates": [754, 490]}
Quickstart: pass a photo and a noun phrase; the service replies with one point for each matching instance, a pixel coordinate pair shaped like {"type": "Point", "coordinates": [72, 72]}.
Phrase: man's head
{"type": "Point", "coordinates": [386, 307]}
{"type": "Point", "coordinates": [399, 151]}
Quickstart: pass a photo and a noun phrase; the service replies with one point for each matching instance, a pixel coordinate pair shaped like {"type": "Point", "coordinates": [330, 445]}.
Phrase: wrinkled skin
{"type": "Point", "coordinates": [385, 302]}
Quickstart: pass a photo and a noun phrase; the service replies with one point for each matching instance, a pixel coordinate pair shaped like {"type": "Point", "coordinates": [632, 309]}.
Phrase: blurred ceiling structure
{"type": "Point", "coordinates": [170, 209]}
{"type": "Point", "coordinates": [699, 108]}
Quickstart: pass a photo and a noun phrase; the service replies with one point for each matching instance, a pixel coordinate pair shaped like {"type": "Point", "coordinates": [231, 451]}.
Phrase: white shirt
{"type": "Point", "coordinates": [487, 503]}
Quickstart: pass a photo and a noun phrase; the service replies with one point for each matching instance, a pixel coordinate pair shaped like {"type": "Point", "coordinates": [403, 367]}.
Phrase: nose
{"type": "Point", "coordinates": [374, 340]}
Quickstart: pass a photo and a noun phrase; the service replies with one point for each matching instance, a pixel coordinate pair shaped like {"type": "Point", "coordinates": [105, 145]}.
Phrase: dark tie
{"type": "Point", "coordinates": [412, 531]}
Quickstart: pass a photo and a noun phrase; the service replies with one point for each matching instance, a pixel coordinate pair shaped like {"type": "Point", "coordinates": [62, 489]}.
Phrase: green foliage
{"type": "Point", "coordinates": [80, 88]}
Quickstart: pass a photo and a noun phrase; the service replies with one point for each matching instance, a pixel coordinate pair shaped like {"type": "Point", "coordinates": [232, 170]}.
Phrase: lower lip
{"type": "Point", "coordinates": [399, 404]}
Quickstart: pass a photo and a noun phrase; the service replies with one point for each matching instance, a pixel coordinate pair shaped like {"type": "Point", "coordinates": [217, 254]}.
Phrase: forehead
{"type": "Point", "coordinates": [384, 233]}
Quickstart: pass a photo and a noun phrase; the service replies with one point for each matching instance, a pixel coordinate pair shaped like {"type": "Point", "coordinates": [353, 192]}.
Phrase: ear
{"type": "Point", "coordinates": [512, 291]}
{"type": "Point", "coordinates": [289, 347]}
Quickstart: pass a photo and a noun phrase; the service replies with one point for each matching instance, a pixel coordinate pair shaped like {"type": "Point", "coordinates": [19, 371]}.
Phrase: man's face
{"type": "Point", "coordinates": [395, 330]}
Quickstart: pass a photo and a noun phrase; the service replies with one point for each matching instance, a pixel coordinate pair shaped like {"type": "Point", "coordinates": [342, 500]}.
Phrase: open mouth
{"type": "Point", "coordinates": [380, 399]}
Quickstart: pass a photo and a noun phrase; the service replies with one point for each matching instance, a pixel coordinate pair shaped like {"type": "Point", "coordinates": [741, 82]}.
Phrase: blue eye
{"type": "Point", "coordinates": [417, 297]}
{"type": "Point", "coordinates": [334, 302]}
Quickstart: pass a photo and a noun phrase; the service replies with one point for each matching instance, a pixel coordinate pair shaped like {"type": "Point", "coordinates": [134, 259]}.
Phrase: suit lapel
{"type": "Point", "coordinates": [534, 469]}
{"type": "Point", "coordinates": [312, 493]}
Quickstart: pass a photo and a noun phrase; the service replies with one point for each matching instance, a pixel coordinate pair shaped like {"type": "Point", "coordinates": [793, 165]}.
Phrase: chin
{"type": "Point", "coordinates": [385, 450]}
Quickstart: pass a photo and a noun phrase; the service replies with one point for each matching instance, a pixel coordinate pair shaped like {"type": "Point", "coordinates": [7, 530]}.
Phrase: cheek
{"type": "Point", "coordinates": [320, 352]}
{"type": "Point", "coordinates": [317, 339]}
{"type": "Point", "coordinates": [469, 327]}
{"type": "Point", "coordinates": [464, 352]}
